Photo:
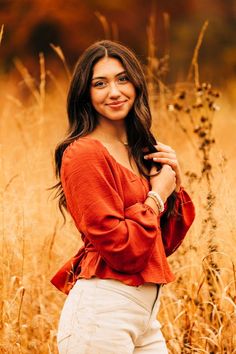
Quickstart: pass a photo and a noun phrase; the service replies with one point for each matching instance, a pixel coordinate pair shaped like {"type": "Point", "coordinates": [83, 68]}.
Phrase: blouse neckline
{"type": "Point", "coordinates": [112, 157]}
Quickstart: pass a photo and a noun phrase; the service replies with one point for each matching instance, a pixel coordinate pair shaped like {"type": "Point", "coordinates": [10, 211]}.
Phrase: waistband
{"type": "Point", "coordinates": [146, 294]}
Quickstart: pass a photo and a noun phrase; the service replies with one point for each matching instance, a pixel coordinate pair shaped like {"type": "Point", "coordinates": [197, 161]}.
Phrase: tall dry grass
{"type": "Point", "coordinates": [198, 310]}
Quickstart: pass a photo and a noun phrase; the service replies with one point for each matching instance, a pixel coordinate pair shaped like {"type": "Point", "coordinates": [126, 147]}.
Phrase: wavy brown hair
{"type": "Point", "coordinates": [83, 118]}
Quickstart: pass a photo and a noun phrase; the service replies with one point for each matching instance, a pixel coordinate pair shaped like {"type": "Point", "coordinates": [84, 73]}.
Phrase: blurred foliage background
{"type": "Point", "coordinates": [31, 25]}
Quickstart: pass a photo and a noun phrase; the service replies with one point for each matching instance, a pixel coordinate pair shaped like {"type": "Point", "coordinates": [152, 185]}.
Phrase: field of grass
{"type": "Point", "coordinates": [198, 310]}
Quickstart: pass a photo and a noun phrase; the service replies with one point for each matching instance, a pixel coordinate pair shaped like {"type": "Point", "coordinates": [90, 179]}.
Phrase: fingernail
{"type": "Point", "coordinates": [145, 157]}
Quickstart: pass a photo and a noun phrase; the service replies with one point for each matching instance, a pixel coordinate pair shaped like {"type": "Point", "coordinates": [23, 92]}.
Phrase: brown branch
{"type": "Point", "coordinates": [194, 63]}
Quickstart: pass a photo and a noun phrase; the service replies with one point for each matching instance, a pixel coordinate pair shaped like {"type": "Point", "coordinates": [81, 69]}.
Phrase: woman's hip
{"type": "Point", "coordinates": [106, 311]}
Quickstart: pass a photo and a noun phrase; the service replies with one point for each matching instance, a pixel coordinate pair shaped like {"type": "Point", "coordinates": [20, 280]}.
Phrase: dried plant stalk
{"type": "Point", "coordinates": [28, 79]}
{"type": "Point", "coordinates": [1, 33]}
{"type": "Point", "coordinates": [60, 54]}
{"type": "Point", "coordinates": [103, 20]}
{"type": "Point", "coordinates": [194, 63]}
{"type": "Point", "coordinates": [42, 80]}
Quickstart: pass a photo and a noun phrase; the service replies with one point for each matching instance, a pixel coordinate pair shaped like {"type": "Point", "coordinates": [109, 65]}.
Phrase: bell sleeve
{"type": "Point", "coordinates": [124, 237]}
{"type": "Point", "coordinates": [176, 226]}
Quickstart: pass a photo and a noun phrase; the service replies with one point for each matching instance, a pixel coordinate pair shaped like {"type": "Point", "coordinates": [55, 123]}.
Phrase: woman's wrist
{"type": "Point", "coordinates": [157, 199]}
{"type": "Point", "coordinates": [151, 203]}
{"type": "Point", "coordinates": [161, 193]}
{"type": "Point", "coordinates": [179, 189]}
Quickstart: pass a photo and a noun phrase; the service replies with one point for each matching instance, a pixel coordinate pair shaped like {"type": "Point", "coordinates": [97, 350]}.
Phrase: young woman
{"type": "Point", "coordinates": [124, 192]}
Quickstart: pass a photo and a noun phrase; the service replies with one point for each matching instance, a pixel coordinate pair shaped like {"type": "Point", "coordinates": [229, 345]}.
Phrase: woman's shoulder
{"type": "Point", "coordinates": [84, 151]}
{"type": "Point", "coordinates": [87, 158]}
{"type": "Point", "coordinates": [83, 146]}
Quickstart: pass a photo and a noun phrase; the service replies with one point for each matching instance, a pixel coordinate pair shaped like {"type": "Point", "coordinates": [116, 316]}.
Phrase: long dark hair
{"type": "Point", "coordinates": [83, 118]}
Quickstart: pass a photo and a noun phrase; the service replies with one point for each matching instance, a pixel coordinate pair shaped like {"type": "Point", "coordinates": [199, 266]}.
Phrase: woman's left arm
{"type": "Point", "coordinates": [175, 227]}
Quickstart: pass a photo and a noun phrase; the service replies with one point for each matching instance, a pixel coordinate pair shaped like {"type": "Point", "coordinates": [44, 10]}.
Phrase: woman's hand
{"type": "Point", "coordinates": [164, 183]}
{"type": "Point", "coordinates": [166, 156]}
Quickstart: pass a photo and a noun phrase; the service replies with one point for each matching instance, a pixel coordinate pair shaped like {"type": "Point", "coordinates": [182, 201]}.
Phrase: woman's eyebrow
{"type": "Point", "coordinates": [103, 77]}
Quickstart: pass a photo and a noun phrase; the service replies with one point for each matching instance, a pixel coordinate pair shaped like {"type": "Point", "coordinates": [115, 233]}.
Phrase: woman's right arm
{"type": "Point", "coordinates": [124, 237]}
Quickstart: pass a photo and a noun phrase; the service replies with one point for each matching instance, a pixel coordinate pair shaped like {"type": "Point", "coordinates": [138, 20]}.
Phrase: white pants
{"type": "Point", "coordinates": [105, 316]}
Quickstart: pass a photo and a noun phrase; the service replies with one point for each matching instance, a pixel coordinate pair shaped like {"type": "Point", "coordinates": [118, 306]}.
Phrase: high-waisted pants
{"type": "Point", "coordinates": [106, 316]}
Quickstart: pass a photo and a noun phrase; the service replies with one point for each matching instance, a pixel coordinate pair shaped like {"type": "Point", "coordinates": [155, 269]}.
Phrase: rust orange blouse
{"type": "Point", "coordinates": [123, 237]}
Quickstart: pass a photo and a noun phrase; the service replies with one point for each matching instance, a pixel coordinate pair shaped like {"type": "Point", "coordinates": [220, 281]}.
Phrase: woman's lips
{"type": "Point", "coordinates": [116, 105]}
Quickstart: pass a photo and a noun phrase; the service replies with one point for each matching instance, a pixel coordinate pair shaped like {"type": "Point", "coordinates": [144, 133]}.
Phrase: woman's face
{"type": "Point", "coordinates": [112, 94]}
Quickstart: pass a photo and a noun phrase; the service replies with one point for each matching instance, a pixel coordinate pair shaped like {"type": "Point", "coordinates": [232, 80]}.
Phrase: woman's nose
{"type": "Point", "coordinates": [114, 90]}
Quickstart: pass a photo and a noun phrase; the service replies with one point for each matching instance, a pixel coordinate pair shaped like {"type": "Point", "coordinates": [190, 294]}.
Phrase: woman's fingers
{"type": "Point", "coordinates": [169, 161]}
{"type": "Point", "coordinates": [164, 147]}
{"type": "Point", "coordinates": [160, 148]}
{"type": "Point", "coordinates": [167, 154]}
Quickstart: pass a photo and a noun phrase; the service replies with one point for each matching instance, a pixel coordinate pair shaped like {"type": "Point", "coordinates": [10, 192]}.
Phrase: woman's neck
{"type": "Point", "coordinates": [111, 131]}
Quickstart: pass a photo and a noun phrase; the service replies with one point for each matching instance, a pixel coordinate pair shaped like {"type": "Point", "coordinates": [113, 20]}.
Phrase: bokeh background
{"type": "Point", "coordinates": [31, 25]}
{"type": "Point", "coordinates": [40, 42]}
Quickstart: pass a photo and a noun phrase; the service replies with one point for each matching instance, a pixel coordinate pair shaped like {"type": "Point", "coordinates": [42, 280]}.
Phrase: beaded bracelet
{"type": "Point", "coordinates": [155, 196]}
{"type": "Point", "coordinates": [155, 201]}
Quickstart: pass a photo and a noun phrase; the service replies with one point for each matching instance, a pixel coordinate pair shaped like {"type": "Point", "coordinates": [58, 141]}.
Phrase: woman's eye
{"type": "Point", "coordinates": [124, 78]}
{"type": "Point", "coordinates": [99, 84]}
